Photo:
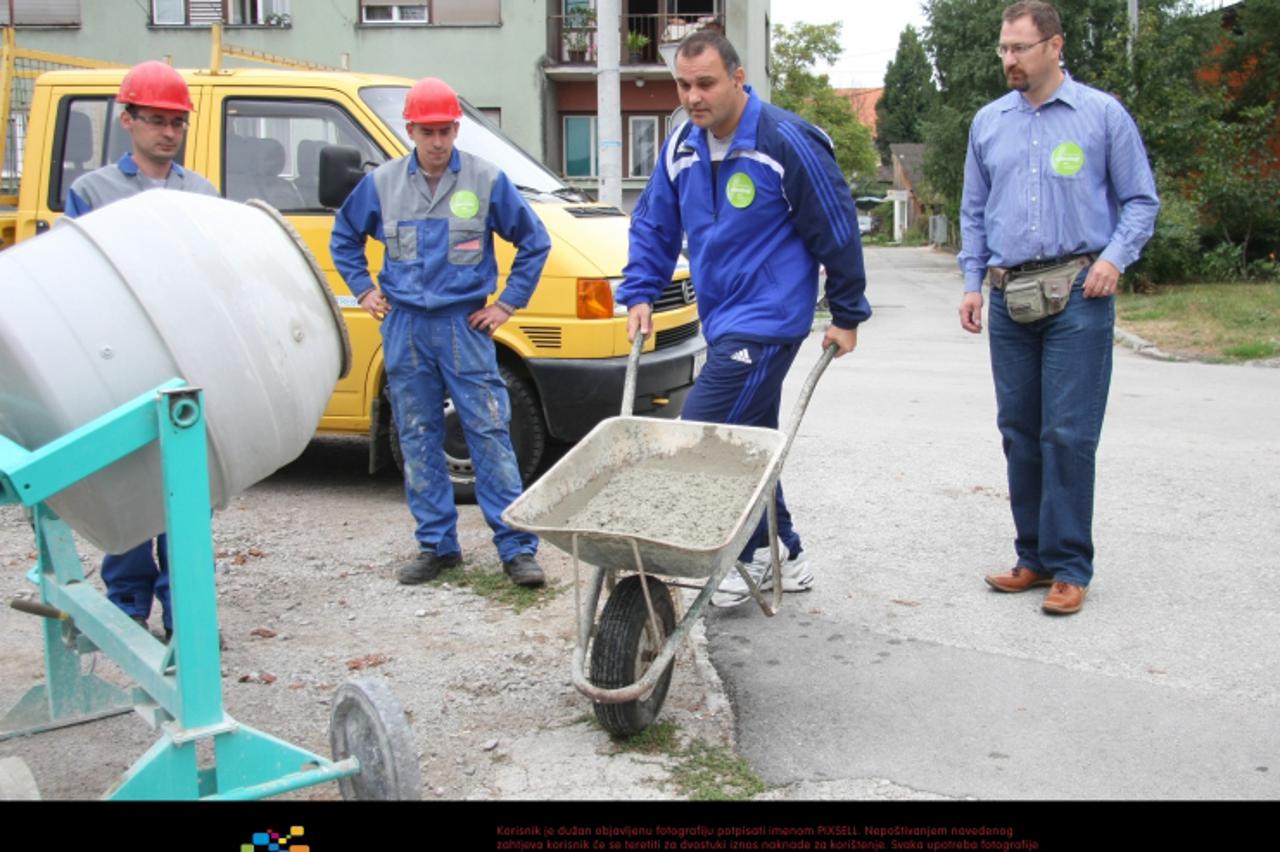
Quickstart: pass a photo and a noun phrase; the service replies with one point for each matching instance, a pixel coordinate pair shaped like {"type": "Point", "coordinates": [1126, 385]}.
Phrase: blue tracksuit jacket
{"type": "Point", "coordinates": [779, 207]}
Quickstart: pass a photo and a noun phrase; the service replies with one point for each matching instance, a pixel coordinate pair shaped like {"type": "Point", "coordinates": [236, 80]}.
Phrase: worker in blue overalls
{"type": "Point", "coordinates": [156, 105]}
{"type": "Point", "coordinates": [436, 210]}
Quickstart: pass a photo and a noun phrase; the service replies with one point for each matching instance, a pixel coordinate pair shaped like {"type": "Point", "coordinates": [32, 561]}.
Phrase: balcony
{"type": "Point", "coordinates": [573, 38]}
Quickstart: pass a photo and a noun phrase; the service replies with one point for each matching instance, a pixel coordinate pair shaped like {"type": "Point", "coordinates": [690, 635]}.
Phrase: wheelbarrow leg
{"type": "Point", "coordinates": [775, 559]}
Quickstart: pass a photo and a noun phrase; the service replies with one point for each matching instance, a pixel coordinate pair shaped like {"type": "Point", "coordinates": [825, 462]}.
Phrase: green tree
{"type": "Point", "coordinates": [909, 95]}
{"type": "Point", "coordinates": [796, 50]}
{"type": "Point", "coordinates": [1202, 91]}
{"type": "Point", "coordinates": [1238, 184]}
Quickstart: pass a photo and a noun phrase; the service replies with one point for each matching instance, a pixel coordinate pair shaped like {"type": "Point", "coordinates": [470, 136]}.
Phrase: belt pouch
{"type": "Point", "coordinates": [1040, 294]}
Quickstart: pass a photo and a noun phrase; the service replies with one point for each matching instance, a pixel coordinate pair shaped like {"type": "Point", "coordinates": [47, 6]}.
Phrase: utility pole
{"type": "Point", "coordinates": [1133, 27]}
{"type": "Point", "coordinates": [609, 99]}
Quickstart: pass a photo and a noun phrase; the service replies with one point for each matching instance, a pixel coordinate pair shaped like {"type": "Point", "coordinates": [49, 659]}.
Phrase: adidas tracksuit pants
{"type": "Point", "coordinates": [741, 385]}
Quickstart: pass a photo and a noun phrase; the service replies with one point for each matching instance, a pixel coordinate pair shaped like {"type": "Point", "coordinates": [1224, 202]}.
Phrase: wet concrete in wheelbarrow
{"type": "Point", "coordinates": [694, 498]}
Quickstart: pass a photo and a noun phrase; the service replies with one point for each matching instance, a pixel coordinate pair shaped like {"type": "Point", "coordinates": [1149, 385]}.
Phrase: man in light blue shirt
{"type": "Point", "coordinates": [1056, 172]}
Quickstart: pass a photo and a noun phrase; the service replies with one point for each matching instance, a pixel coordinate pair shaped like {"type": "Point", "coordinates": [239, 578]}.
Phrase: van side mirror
{"type": "Point", "coordinates": [340, 170]}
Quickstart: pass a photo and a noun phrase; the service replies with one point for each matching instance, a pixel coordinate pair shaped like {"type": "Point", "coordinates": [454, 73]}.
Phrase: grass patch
{"type": "Point", "coordinates": [715, 774]}
{"type": "Point", "coordinates": [704, 773]}
{"type": "Point", "coordinates": [659, 738]}
{"type": "Point", "coordinates": [498, 588]}
{"type": "Point", "coordinates": [1212, 321]}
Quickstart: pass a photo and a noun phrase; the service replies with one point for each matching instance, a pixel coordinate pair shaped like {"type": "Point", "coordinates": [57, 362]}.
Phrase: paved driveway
{"type": "Point", "coordinates": [901, 675]}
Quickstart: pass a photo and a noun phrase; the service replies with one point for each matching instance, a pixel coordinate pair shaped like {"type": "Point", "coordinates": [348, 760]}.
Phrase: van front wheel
{"type": "Point", "coordinates": [528, 438]}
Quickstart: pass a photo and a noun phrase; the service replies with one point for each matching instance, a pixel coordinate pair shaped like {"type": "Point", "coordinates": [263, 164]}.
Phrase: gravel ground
{"type": "Point", "coordinates": [307, 598]}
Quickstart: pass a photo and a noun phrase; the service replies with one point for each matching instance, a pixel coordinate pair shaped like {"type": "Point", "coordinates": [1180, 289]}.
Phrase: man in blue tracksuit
{"type": "Point", "coordinates": [436, 210]}
{"type": "Point", "coordinates": [759, 194]}
{"type": "Point", "coordinates": [156, 105]}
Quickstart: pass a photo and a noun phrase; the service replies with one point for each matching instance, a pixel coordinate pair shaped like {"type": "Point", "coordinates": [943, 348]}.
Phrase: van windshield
{"type": "Point", "coordinates": [476, 135]}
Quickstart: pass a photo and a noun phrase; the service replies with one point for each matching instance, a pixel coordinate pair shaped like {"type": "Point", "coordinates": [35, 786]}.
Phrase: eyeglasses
{"type": "Point", "coordinates": [1017, 49]}
{"type": "Point", "coordinates": [159, 122]}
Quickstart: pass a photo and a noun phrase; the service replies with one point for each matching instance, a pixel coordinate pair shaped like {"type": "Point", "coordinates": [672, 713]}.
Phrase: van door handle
{"type": "Point", "coordinates": [41, 226]}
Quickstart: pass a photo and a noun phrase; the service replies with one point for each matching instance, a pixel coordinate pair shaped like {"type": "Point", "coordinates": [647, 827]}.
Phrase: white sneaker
{"type": "Point", "coordinates": [796, 577]}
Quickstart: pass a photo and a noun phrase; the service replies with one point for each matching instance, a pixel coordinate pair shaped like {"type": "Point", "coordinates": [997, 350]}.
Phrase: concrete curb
{"type": "Point", "coordinates": [1150, 350]}
{"type": "Point", "coordinates": [1144, 347]}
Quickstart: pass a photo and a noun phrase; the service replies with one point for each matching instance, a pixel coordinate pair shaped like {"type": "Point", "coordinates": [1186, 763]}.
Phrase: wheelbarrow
{"type": "Point", "coordinates": [667, 503]}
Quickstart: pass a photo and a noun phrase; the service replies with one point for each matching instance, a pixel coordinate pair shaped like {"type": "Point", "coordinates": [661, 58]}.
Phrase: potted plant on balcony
{"type": "Point", "coordinates": [636, 43]}
{"type": "Point", "coordinates": [579, 32]}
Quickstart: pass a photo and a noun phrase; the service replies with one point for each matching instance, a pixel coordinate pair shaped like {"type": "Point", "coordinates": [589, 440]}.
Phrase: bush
{"type": "Point", "coordinates": [918, 233]}
{"type": "Point", "coordinates": [1267, 269]}
{"type": "Point", "coordinates": [1221, 263]}
{"type": "Point", "coordinates": [1173, 252]}
{"type": "Point", "coordinates": [882, 215]}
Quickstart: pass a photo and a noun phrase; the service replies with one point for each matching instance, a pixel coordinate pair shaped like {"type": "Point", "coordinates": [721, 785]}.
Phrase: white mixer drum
{"type": "Point", "coordinates": [161, 285]}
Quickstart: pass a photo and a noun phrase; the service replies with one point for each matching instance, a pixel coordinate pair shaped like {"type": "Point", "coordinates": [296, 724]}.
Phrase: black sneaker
{"type": "Point", "coordinates": [427, 566]}
{"type": "Point", "coordinates": [524, 570]}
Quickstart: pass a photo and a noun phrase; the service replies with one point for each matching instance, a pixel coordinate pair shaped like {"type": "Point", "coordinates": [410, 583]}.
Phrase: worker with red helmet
{"type": "Point", "coordinates": [156, 103]}
{"type": "Point", "coordinates": [436, 210]}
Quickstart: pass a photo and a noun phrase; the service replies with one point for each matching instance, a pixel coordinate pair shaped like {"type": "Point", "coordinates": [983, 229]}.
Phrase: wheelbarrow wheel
{"type": "Point", "coordinates": [624, 648]}
{"type": "Point", "coordinates": [369, 723]}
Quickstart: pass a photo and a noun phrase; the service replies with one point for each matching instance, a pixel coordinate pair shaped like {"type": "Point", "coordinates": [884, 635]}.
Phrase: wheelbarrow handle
{"type": "Point", "coordinates": [629, 384]}
{"type": "Point", "coordinates": [828, 354]}
{"type": "Point", "coordinates": [633, 362]}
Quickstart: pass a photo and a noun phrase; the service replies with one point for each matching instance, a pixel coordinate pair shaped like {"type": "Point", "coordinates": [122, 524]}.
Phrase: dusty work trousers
{"type": "Point", "coordinates": [133, 579]}
{"type": "Point", "coordinates": [1052, 377]}
{"type": "Point", "coordinates": [428, 356]}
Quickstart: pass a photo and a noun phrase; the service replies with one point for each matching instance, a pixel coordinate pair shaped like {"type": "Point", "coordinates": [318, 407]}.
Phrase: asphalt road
{"type": "Point", "coordinates": [901, 675]}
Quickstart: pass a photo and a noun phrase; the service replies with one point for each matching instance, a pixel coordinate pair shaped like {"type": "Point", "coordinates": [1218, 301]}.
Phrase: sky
{"type": "Point", "coordinates": [870, 32]}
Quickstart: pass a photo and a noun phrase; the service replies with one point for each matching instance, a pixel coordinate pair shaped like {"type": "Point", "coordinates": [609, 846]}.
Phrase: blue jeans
{"type": "Point", "coordinates": [741, 384]}
{"type": "Point", "coordinates": [133, 579]}
{"type": "Point", "coordinates": [1052, 377]}
{"type": "Point", "coordinates": [426, 356]}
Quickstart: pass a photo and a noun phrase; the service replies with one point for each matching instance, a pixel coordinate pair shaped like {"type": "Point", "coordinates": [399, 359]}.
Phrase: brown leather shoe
{"type": "Point", "coordinates": [1017, 580]}
{"type": "Point", "coordinates": [1064, 599]}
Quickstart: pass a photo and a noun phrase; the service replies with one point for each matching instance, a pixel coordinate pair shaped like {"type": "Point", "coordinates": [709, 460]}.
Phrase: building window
{"type": "Point", "coordinates": [379, 12]}
{"type": "Point", "coordinates": [431, 12]}
{"type": "Point", "coordinates": [180, 13]}
{"type": "Point", "coordinates": [580, 146]}
{"type": "Point", "coordinates": [643, 135]}
{"type": "Point", "coordinates": [42, 13]}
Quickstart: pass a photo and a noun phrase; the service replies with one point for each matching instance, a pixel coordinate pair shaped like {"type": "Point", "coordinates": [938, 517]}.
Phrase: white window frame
{"type": "Point", "coordinates": [564, 147]}
{"type": "Point", "coordinates": [397, 12]}
{"type": "Point", "coordinates": [633, 122]}
{"type": "Point", "coordinates": [265, 9]}
{"type": "Point", "coordinates": [155, 16]}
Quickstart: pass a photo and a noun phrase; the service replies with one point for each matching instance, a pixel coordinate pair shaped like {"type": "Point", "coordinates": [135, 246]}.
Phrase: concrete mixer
{"type": "Point", "coordinates": [157, 357]}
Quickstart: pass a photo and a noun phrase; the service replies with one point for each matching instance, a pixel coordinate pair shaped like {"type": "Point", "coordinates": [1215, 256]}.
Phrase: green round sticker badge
{"type": "Point", "coordinates": [741, 191]}
{"type": "Point", "coordinates": [464, 204]}
{"type": "Point", "coordinates": [1067, 159]}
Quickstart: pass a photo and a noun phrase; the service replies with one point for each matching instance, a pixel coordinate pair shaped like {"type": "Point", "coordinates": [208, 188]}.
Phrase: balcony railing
{"type": "Point", "coordinates": [573, 41]}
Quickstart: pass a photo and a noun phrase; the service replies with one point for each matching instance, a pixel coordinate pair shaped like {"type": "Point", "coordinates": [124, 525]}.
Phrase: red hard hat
{"type": "Point", "coordinates": [432, 101]}
{"type": "Point", "coordinates": [155, 84]}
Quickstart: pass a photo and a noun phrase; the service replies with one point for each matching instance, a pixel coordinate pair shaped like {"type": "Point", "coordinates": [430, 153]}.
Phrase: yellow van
{"type": "Point", "coordinates": [258, 134]}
